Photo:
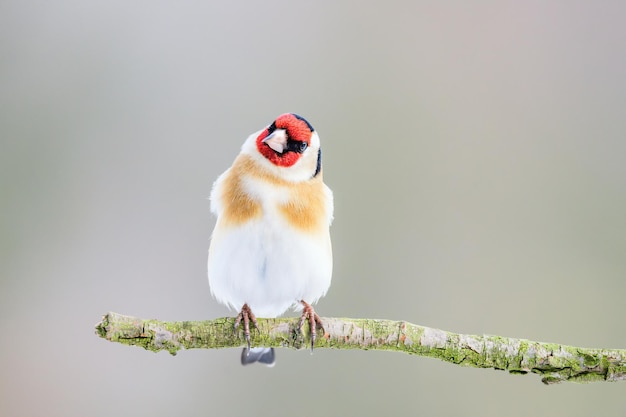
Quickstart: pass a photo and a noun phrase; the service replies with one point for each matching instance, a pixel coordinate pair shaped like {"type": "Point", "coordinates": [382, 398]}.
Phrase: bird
{"type": "Point", "coordinates": [270, 249]}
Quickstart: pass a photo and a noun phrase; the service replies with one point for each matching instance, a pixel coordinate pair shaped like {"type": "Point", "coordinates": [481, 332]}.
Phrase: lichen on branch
{"type": "Point", "coordinates": [554, 362]}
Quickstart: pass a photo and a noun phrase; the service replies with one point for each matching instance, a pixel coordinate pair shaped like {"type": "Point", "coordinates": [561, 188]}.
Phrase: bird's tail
{"type": "Point", "coordinates": [265, 356]}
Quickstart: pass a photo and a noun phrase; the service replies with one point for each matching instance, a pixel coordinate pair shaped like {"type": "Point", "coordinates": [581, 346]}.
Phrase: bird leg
{"type": "Point", "coordinates": [314, 321]}
{"type": "Point", "coordinates": [246, 315]}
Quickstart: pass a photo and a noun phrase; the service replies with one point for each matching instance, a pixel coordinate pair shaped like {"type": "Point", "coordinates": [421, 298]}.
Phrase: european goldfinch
{"type": "Point", "coordinates": [270, 249]}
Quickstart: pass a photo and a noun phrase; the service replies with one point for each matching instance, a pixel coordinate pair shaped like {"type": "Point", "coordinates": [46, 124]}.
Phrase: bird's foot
{"type": "Point", "coordinates": [315, 322]}
{"type": "Point", "coordinates": [246, 316]}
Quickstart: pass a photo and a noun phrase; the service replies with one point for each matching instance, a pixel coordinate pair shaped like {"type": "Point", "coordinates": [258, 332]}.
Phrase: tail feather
{"type": "Point", "coordinates": [265, 356]}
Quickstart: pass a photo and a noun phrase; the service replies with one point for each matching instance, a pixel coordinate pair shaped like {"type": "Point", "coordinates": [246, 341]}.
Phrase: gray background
{"type": "Point", "coordinates": [476, 152]}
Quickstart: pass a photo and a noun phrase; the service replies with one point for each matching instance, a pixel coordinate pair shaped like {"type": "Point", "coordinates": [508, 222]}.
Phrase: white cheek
{"type": "Point", "coordinates": [315, 140]}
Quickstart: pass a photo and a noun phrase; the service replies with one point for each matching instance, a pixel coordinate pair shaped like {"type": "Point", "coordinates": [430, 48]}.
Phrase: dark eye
{"type": "Point", "coordinates": [303, 146]}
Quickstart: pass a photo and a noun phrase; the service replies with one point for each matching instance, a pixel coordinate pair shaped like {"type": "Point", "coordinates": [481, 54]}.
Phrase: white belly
{"type": "Point", "coordinates": [268, 266]}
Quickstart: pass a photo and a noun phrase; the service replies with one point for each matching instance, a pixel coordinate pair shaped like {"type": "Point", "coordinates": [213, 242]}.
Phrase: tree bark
{"type": "Point", "coordinates": [554, 362]}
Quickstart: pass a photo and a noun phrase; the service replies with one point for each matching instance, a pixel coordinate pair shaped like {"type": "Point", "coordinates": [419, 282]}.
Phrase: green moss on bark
{"type": "Point", "coordinates": [554, 362]}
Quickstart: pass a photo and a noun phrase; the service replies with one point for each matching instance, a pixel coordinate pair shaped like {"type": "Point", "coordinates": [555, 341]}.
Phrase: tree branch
{"type": "Point", "coordinates": [554, 362]}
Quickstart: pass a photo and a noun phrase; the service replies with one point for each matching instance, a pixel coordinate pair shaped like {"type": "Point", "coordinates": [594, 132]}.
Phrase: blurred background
{"type": "Point", "coordinates": [476, 152]}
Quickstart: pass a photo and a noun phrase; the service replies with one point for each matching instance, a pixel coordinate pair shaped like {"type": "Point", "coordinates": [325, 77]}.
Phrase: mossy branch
{"type": "Point", "coordinates": [554, 362]}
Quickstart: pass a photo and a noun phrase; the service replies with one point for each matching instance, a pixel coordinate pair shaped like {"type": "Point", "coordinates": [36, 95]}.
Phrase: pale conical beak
{"type": "Point", "coordinates": [277, 140]}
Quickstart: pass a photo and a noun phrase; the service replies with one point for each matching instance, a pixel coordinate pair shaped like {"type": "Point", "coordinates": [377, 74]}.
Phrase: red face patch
{"type": "Point", "coordinates": [297, 129]}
